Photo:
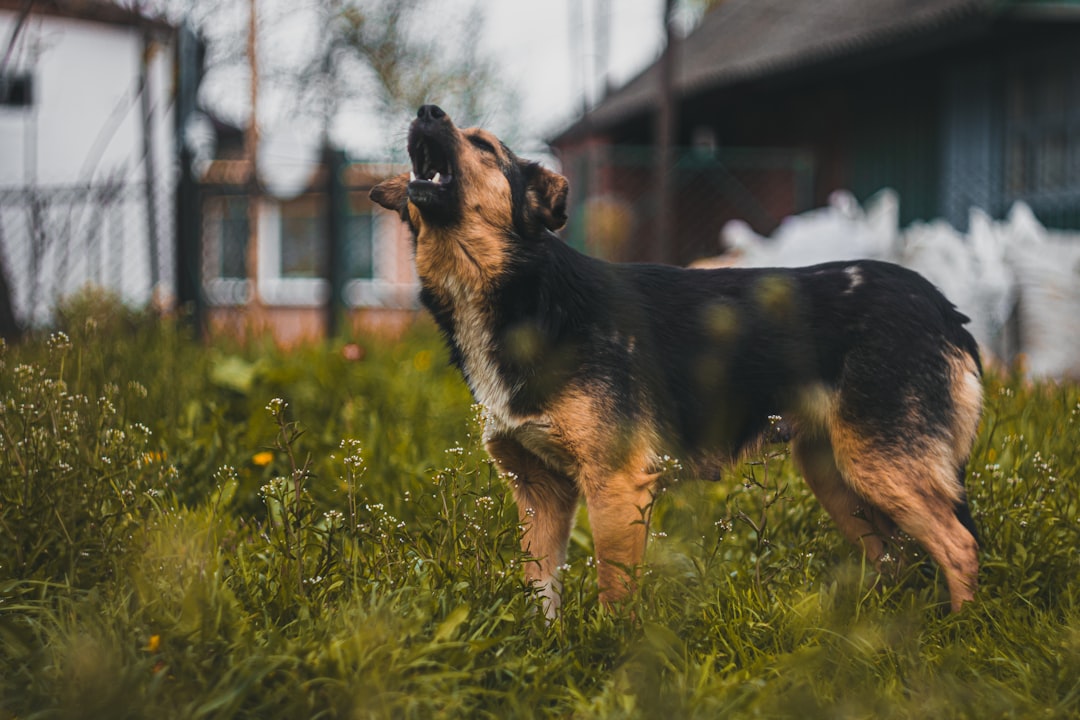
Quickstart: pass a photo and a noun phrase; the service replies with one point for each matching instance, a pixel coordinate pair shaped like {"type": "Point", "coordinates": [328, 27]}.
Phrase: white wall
{"type": "Point", "coordinates": [85, 126]}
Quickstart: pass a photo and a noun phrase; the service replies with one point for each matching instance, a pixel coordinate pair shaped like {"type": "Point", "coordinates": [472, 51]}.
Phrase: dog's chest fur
{"type": "Point", "coordinates": [465, 316]}
{"type": "Point", "coordinates": [466, 320]}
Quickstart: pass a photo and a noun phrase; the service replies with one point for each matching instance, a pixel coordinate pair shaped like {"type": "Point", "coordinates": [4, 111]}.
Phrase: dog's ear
{"type": "Point", "coordinates": [546, 196]}
{"type": "Point", "coordinates": [393, 193]}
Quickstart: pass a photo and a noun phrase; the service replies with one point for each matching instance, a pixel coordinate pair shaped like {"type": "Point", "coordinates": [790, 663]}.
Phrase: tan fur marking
{"type": "Point", "coordinates": [547, 196]}
{"type": "Point", "coordinates": [613, 468]}
{"type": "Point", "coordinates": [392, 192]}
{"type": "Point", "coordinates": [967, 399]}
{"type": "Point", "coordinates": [928, 467]}
{"type": "Point", "coordinates": [485, 191]}
{"type": "Point", "coordinates": [948, 542]}
{"type": "Point", "coordinates": [620, 504]}
{"type": "Point", "coordinates": [584, 422]}
{"type": "Point", "coordinates": [578, 420]}
{"type": "Point", "coordinates": [473, 258]}
{"type": "Point", "coordinates": [488, 137]}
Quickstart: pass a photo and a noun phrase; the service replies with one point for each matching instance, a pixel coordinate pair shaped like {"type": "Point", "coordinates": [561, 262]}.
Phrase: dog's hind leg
{"type": "Point", "coordinates": [916, 486]}
{"type": "Point", "coordinates": [931, 519]}
{"type": "Point", "coordinates": [547, 502]}
{"type": "Point", "coordinates": [858, 520]}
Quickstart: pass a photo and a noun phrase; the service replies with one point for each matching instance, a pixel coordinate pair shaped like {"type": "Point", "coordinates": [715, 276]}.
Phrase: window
{"type": "Point", "coordinates": [225, 243]}
{"type": "Point", "coordinates": [1042, 135]}
{"type": "Point", "coordinates": [303, 238]}
{"type": "Point", "coordinates": [233, 239]}
{"type": "Point", "coordinates": [359, 247]}
{"type": "Point", "coordinates": [379, 270]}
{"type": "Point", "coordinates": [372, 268]}
{"type": "Point", "coordinates": [16, 90]}
{"type": "Point", "coordinates": [292, 251]}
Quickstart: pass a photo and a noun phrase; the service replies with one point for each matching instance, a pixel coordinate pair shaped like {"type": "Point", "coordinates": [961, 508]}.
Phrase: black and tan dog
{"type": "Point", "coordinates": [591, 372]}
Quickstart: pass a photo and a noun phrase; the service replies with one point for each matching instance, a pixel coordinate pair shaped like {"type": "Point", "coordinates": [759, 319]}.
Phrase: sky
{"type": "Point", "coordinates": [534, 41]}
{"type": "Point", "coordinates": [548, 53]}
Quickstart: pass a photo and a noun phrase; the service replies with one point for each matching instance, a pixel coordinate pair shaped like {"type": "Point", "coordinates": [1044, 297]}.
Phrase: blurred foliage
{"type": "Point", "coordinates": [231, 531]}
{"type": "Point", "coordinates": [412, 67]}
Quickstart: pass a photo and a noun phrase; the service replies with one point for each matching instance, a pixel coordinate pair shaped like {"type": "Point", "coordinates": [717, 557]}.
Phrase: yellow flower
{"type": "Point", "coordinates": [262, 459]}
{"type": "Point", "coordinates": [422, 361]}
{"type": "Point", "coordinates": [153, 644]}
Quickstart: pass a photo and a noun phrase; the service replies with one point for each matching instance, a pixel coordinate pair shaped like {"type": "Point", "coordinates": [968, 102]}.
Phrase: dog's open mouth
{"type": "Point", "coordinates": [430, 164]}
{"type": "Point", "coordinates": [433, 148]}
{"type": "Point", "coordinates": [431, 182]}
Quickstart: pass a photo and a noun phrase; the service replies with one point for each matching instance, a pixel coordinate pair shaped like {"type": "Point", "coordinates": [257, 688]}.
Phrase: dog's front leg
{"type": "Point", "coordinates": [547, 502]}
{"type": "Point", "coordinates": [619, 507]}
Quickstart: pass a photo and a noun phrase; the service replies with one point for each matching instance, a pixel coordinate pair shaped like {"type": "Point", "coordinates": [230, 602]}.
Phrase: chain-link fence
{"type": "Point", "coordinates": [56, 240]}
{"type": "Point", "coordinates": [615, 203]}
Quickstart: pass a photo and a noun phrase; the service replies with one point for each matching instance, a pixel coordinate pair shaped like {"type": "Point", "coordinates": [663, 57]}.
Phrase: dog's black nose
{"type": "Point", "coordinates": [430, 112]}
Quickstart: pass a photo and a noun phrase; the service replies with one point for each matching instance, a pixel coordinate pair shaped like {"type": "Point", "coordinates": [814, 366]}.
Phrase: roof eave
{"type": "Point", "coordinates": [93, 11]}
{"type": "Point", "coordinates": [640, 93]}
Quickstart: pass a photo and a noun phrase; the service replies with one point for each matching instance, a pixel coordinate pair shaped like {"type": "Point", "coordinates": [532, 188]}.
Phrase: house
{"type": "Point", "coordinates": [952, 103]}
{"type": "Point", "coordinates": [326, 257]}
{"type": "Point", "coordinates": [86, 150]}
{"type": "Point", "coordinates": [323, 256]}
{"type": "Point", "coordinates": [275, 237]}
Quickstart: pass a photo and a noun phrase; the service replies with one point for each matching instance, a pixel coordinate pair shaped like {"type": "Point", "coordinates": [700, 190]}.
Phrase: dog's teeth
{"type": "Point", "coordinates": [436, 178]}
{"type": "Point", "coordinates": [412, 176]}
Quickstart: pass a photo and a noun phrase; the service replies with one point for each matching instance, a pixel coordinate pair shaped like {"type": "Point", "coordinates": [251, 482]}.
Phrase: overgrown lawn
{"type": "Point", "coordinates": [220, 531]}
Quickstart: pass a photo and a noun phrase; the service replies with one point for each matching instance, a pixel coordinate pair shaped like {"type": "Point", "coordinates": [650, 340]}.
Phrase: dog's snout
{"type": "Point", "coordinates": [430, 112]}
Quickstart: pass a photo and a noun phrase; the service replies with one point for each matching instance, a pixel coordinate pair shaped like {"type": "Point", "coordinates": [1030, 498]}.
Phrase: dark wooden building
{"type": "Point", "coordinates": [777, 103]}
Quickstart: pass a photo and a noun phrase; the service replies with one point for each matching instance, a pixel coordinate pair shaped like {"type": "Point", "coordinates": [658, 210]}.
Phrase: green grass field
{"type": "Point", "coordinates": [192, 531]}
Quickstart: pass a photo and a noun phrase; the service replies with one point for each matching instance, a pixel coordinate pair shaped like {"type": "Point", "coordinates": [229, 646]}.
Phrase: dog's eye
{"type": "Point", "coordinates": [481, 144]}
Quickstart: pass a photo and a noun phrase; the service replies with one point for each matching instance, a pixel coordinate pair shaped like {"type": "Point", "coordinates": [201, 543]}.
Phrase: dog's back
{"type": "Point", "coordinates": [734, 346]}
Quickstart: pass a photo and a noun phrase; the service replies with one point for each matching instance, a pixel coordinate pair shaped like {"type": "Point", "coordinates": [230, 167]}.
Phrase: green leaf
{"type": "Point", "coordinates": [448, 627]}
{"type": "Point", "coordinates": [233, 373]}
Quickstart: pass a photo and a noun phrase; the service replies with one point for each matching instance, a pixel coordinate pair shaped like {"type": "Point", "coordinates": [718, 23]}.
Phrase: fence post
{"type": "Point", "coordinates": [9, 325]}
{"type": "Point", "coordinates": [188, 203]}
{"type": "Point", "coordinates": [336, 211]}
{"type": "Point", "coordinates": [667, 129]}
{"type": "Point", "coordinates": [149, 164]}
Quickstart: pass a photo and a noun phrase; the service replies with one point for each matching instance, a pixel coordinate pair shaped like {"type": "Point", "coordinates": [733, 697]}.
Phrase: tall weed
{"type": "Point", "coordinates": [76, 478]}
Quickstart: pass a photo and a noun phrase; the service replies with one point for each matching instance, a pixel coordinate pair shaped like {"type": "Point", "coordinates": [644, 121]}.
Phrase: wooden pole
{"type": "Point", "coordinates": [664, 245]}
{"type": "Point", "coordinates": [251, 150]}
{"type": "Point", "coordinates": [149, 164]}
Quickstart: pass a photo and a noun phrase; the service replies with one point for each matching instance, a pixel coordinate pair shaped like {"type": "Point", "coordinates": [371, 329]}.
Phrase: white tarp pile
{"type": "Point", "coordinates": [1017, 281]}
